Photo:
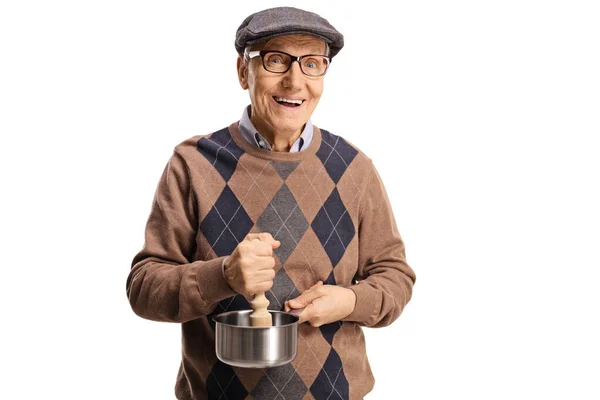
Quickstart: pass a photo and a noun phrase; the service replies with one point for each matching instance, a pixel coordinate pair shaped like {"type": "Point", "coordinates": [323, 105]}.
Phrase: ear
{"type": "Point", "coordinates": [242, 70]}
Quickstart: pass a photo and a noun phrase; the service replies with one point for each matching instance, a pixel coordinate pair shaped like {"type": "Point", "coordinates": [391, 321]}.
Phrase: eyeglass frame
{"type": "Point", "coordinates": [261, 53]}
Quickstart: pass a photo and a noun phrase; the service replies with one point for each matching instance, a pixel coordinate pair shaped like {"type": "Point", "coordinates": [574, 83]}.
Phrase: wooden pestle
{"type": "Point", "coordinates": [260, 315]}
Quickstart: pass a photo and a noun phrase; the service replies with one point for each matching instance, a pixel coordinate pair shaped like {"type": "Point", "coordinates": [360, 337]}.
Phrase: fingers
{"type": "Point", "coordinates": [307, 297]}
{"type": "Point", "coordinates": [306, 300]}
{"type": "Point", "coordinates": [256, 253]}
{"type": "Point", "coordinates": [264, 237]}
{"type": "Point", "coordinates": [256, 288]}
{"type": "Point", "coordinates": [251, 267]}
{"type": "Point", "coordinates": [258, 281]}
{"type": "Point", "coordinates": [265, 275]}
{"type": "Point", "coordinates": [258, 247]}
{"type": "Point", "coordinates": [252, 262]}
{"type": "Point", "coordinates": [316, 285]}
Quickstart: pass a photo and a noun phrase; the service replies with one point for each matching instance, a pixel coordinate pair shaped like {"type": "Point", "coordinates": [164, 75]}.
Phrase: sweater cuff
{"type": "Point", "coordinates": [368, 301]}
{"type": "Point", "coordinates": [223, 266]}
{"type": "Point", "coordinates": [212, 285]}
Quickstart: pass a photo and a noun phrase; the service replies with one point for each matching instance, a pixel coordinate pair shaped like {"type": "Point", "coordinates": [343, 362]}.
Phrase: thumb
{"type": "Point", "coordinates": [298, 302]}
{"type": "Point", "coordinates": [275, 243]}
{"type": "Point", "coordinates": [307, 297]}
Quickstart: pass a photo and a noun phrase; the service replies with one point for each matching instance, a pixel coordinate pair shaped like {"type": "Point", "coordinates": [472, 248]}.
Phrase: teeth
{"type": "Point", "coordinates": [288, 100]}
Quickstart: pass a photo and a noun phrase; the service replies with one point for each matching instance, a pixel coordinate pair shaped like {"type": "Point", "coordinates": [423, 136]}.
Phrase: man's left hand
{"type": "Point", "coordinates": [323, 304]}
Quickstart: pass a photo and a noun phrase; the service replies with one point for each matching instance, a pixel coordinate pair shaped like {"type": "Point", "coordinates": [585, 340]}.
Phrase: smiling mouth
{"type": "Point", "coordinates": [288, 102]}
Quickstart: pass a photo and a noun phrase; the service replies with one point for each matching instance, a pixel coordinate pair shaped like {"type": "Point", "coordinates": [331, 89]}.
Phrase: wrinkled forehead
{"type": "Point", "coordinates": [294, 44]}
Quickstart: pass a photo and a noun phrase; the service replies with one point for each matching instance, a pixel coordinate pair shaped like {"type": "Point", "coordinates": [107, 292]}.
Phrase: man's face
{"type": "Point", "coordinates": [268, 114]}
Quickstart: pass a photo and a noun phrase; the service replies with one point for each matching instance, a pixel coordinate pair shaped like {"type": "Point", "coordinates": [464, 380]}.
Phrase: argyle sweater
{"type": "Point", "coordinates": [328, 208]}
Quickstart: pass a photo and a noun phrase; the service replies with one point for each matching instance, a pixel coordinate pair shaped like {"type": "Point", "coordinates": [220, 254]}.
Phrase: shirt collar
{"type": "Point", "coordinates": [255, 138]}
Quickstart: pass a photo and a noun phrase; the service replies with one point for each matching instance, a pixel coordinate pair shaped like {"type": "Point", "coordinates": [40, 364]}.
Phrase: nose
{"type": "Point", "coordinates": [294, 76]}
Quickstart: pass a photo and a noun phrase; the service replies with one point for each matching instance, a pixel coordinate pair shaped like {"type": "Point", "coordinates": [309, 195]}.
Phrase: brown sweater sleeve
{"type": "Point", "coordinates": [385, 280]}
{"type": "Point", "coordinates": [164, 284]}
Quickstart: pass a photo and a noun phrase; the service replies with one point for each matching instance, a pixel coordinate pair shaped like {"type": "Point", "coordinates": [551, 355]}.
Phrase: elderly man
{"type": "Point", "coordinates": [274, 204]}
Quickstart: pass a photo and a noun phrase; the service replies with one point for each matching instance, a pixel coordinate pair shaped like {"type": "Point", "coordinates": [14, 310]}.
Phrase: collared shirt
{"type": "Point", "coordinates": [253, 137]}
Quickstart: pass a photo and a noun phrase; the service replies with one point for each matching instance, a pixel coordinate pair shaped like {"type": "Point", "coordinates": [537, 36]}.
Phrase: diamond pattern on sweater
{"type": "Point", "coordinates": [284, 169]}
{"type": "Point", "coordinates": [311, 185]}
{"type": "Point", "coordinates": [282, 290]}
{"type": "Point", "coordinates": [226, 224]}
{"type": "Point", "coordinates": [331, 383]}
{"type": "Point", "coordinates": [221, 151]}
{"type": "Point", "coordinates": [334, 227]}
{"type": "Point", "coordinates": [330, 279]}
{"type": "Point", "coordinates": [306, 266]}
{"type": "Point", "coordinates": [260, 185]}
{"type": "Point", "coordinates": [285, 198]}
{"type": "Point", "coordinates": [313, 350]}
{"type": "Point", "coordinates": [285, 221]}
{"type": "Point", "coordinates": [280, 383]}
{"type": "Point", "coordinates": [329, 331]}
{"type": "Point", "coordinates": [222, 383]}
{"type": "Point", "coordinates": [335, 154]}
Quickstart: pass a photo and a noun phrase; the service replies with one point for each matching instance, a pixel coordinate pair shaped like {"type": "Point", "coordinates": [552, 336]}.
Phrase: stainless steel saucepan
{"type": "Point", "coordinates": [241, 345]}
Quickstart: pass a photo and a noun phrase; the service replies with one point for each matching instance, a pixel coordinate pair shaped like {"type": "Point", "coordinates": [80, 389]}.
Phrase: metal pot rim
{"type": "Point", "coordinates": [254, 327]}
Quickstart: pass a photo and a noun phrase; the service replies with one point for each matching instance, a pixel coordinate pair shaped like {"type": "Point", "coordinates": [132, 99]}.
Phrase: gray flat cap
{"type": "Point", "coordinates": [279, 21]}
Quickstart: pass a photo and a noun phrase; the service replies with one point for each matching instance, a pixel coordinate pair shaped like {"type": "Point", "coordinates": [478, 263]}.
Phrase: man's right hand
{"type": "Point", "coordinates": [250, 268]}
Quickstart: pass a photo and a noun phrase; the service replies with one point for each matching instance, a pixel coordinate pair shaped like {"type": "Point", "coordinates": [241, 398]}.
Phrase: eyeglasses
{"type": "Point", "coordinates": [279, 62]}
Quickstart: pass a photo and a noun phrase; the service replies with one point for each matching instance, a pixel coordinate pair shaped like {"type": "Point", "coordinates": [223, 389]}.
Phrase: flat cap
{"type": "Point", "coordinates": [280, 21]}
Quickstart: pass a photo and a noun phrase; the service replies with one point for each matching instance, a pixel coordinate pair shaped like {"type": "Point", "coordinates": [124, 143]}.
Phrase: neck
{"type": "Point", "coordinates": [279, 140]}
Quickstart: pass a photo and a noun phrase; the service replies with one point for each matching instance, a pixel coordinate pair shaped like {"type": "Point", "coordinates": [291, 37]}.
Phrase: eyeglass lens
{"type": "Point", "coordinates": [310, 65]}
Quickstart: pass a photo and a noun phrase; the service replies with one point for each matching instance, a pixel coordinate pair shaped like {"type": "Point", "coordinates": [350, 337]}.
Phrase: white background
{"type": "Point", "coordinates": [482, 117]}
